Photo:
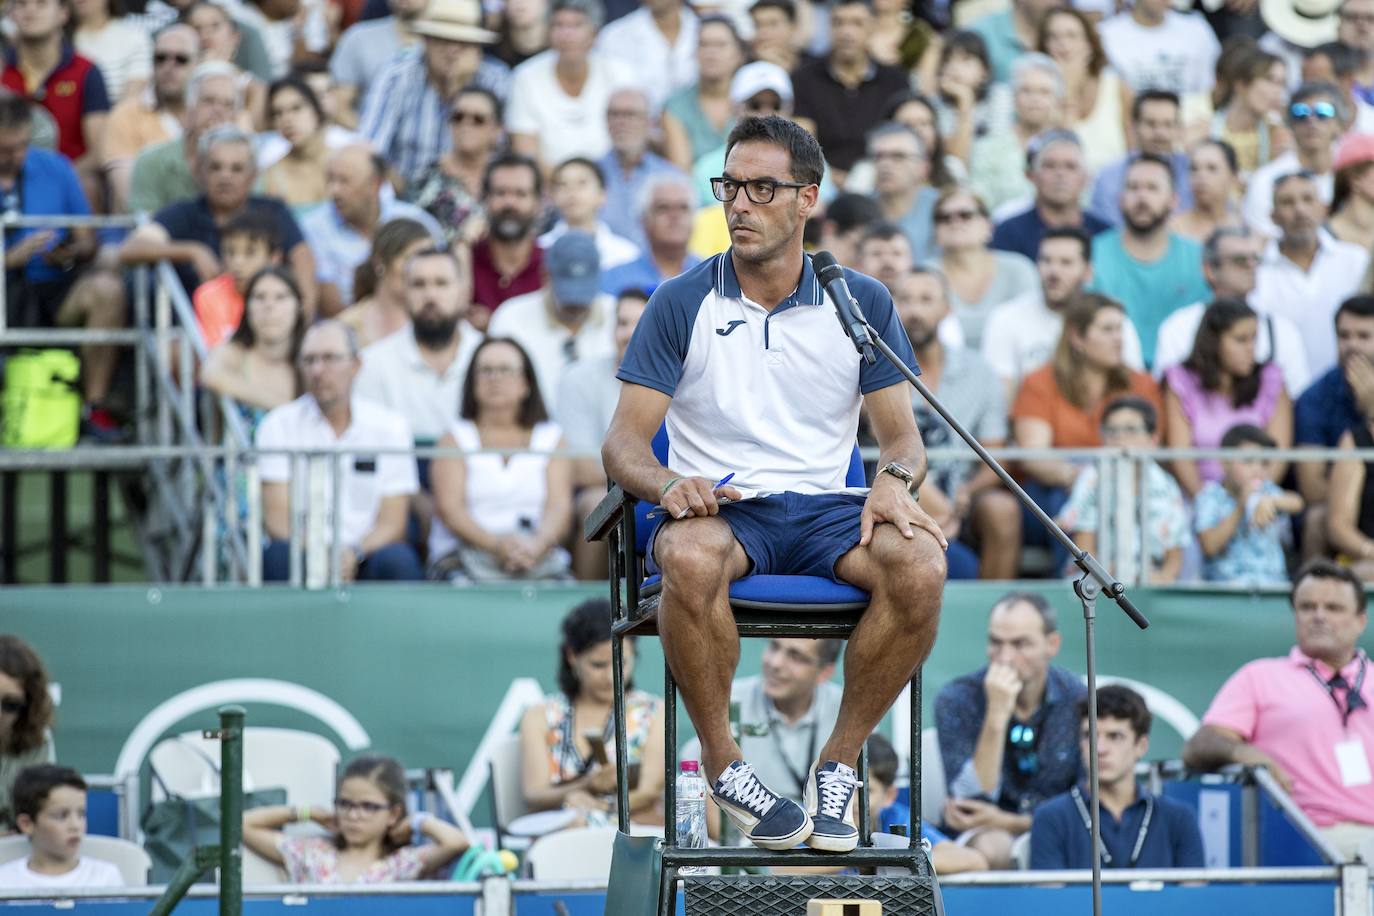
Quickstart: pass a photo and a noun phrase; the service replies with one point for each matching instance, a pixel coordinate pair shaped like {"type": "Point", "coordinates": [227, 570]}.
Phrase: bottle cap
{"type": "Point", "coordinates": [689, 766]}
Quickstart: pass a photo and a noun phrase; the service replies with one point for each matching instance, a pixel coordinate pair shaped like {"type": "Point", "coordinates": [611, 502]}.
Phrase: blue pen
{"type": "Point", "coordinates": [724, 480]}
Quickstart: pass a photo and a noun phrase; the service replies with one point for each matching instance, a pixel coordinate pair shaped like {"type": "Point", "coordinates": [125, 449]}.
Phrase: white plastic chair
{"type": "Point", "coordinates": [257, 870]}
{"type": "Point", "coordinates": [507, 791]}
{"type": "Point", "coordinates": [932, 778]}
{"type": "Point", "coordinates": [133, 863]}
{"type": "Point", "coordinates": [303, 763]}
{"type": "Point", "coordinates": [570, 855]}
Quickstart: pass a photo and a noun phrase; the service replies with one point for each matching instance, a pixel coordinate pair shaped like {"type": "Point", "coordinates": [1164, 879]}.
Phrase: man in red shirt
{"type": "Point", "coordinates": [506, 261]}
{"type": "Point", "coordinates": [43, 67]}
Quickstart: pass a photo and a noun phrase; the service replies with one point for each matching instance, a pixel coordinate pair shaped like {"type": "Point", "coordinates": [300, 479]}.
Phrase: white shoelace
{"type": "Point", "coordinates": [836, 788]}
{"type": "Point", "coordinates": [738, 784]}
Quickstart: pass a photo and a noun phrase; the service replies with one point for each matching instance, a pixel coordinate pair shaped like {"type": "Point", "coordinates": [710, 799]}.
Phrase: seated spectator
{"type": "Point", "coordinates": [163, 172]}
{"type": "Point", "coordinates": [1009, 33]}
{"type": "Point", "coordinates": [1054, 163]}
{"type": "Point", "coordinates": [50, 809]}
{"type": "Point", "coordinates": [405, 113]}
{"type": "Point", "coordinates": [697, 119]}
{"type": "Point", "coordinates": [340, 232]}
{"type": "Point", "coordinates": [187, 233]}
{"type": "Point", "coordinates": [901, 184]}
{"type": "Point", "coordinates": [370, 833]}
{"type": "Point", "coordinates": [961, 492]}
{"type": "Point", "coordinates": [997, 162]}
{"type": "Point", "coordinates": [1020, 335]}
{"type": "Point", "coordinates": [1215, 183]}
{"type": "Point", "coordinates": [1304, 717]}
{"type": "Point", "coordinates": [1154, 47]}
{"type": "Point", "coordinates": [379, 284]}
{"type": "Point", "coordinates": [546, 119]}
{"type": "Point", "coordinates": [664, 206]}
{"type": "Point", "coordinates": [1316, 116]}
{"type": "Point", "coordinates": [568, 742]}
{"type": "Point", "coordinates": [655, 43]}
{"type": "Point", "coordinates": [26, 712]}
{"type": "Point", "coordinates": [1242, 519]}
{"type": "Point", "coordinates": [50, 277]}
{"type": "Point", "coordinates": [578, 190]}
{"type": "Point", "coordinates": [1342, 65]}
{"type": "Point", "coordinates": [1098, 101]}
{"type": "Point", "coordinates": [1305, 274]}
{"type": "Point", "coordinates": [1219, 386]}
{"type": "Point", "coordinates": [501, 517]}
{"type": "Point", "coordinates": [911, 109]}
{"type": "Point", "coordinates": [568, 319]}
{"type": "Point", "coordinates": [846, 219]}
{"type": "Point", "coordinates": [524, 31]}
{"type": "Point", "coordinates": [419, 370]}
{"type": "Point", "coordinates": [586, 402]}
{"type": "Point", "coordinates": [887, 812]}
{"type": "Point", "coordinates": [1249, 116]}
{"type": "Point", "coordinates": [1352, 196]}
{"type": "Point", "coordinates": [1132, 423]}
{"type": "Point", "coordinates": [121, 49]}
{"type": "Point", "coordinates": [970, 104]}
{"type": "Point", "coordinates": [452, 189]}
{"type": "Point", "coordinates": [1157, 127]}
{"type": "Point", "coordinates": [363, 52]}
{"type": "Point", "coordinates": [777, 37]}
{"type": "Point", "coordinates": [506, 262]}
{"type": "Point", "coordinates": [1134, 833]}
{"type": "Point", "coordinates": [980, 278]}
{"type": "Point", "coordinates": [258, 367]}
{"type": "Point", "coordinates": [630, 164]}
{"type": "Point", "coordinates": [295, 112]}
{"type": "Point", "coordinates": [153, 115]}
{"type": "Point", "coordinates": [229, 40]}
{"type": "Point", "coordinates": [376, 488]}
{"type": "Point", "coordinates": [1060, 405]}
{"type": "Point", "coordinates": [757, 89]}
{"type": "Point", "coordinates": [1150, 269]}
{"type": "Point", "coordinates": [250, 245]}
{"type": "Point", "coordinates": [1009, 731]}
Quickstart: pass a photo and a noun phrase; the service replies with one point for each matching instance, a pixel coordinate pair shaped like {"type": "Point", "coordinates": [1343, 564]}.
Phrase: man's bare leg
{"type": "Point", "coordinates": [97, 303]}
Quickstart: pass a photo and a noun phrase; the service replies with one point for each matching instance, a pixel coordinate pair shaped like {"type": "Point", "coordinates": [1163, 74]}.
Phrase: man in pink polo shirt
{"type": "Point", "coordinates": [1306, 716]}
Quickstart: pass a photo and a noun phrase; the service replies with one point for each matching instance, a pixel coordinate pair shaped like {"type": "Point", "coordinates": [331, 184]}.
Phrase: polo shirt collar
{"type": "Point", "coordinates": [1298, 659]}
{"type": "Point", "coordinates": [808, 291]}
{"type": "Point", "coordinates": [869, 73]}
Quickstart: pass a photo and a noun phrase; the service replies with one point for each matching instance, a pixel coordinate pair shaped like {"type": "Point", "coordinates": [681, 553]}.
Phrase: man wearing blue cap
{"type": "Point", "coordinates": [567, 319]}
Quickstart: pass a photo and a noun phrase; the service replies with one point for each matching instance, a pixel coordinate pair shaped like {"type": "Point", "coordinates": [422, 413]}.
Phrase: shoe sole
{"type": "Point", "coordinates": [824, 843]}
{"type": "Point", "coordinates": [777, 844]}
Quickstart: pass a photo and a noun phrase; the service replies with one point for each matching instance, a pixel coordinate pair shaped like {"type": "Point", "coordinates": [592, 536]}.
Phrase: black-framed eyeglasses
{"type": "Point", "coordinates": [759, 190]}
{"type": "Point", "coordinates": [12, 706]}
{"type": "Point", "coordinates": [348, 806]}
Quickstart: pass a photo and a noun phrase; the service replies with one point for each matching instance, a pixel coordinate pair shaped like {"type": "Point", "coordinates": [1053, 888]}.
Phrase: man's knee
{"type": "Point", "coordinates": [997, 512]}
{"type": "Point", "coordinates": [995, 845]}
{"type": "Point", "coordinates": [909, 565]}
{"type": "Point", "coordinates": [694, 549]}
{"type": "Point", "coordinates": [96, 299]}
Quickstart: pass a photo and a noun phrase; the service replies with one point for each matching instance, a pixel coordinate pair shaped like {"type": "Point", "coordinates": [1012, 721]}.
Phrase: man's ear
{"type": "Point", "coordinates": [25, 824]}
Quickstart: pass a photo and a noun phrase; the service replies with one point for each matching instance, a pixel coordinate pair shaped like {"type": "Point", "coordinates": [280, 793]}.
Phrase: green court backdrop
{"type": "Point", "coordinates": [422, 669]}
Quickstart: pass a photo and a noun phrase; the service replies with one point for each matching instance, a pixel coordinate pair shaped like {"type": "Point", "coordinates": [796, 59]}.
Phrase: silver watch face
{"type": "Point", "coordinates": [899, 471]}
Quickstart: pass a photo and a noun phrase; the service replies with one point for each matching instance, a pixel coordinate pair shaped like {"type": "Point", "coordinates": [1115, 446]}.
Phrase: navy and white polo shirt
{"type": "Point", "coordinates": [772, 397]}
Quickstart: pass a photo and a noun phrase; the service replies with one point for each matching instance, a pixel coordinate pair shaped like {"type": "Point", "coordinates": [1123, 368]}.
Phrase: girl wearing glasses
{"type": "Point", "coordinates": [370, 832]}
{"type": "Point", "coordinates": [25, 717]}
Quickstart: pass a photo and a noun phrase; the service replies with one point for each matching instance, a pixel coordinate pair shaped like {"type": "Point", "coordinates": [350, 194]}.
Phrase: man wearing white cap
{"type": "Point", "coordinates": [405, 115]}
{"type": "Point", "coordinates": [756, 90]}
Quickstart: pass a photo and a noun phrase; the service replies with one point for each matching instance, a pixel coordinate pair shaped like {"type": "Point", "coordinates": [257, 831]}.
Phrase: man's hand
{"type": "Point", "coordinates": [584, 801]}
{"type": "Point", "coordinates": [890, 502]}
{"type": "Point", "coordinates": [1002, 685]}
{"type": "Point", "coordinates": [967, 813]}
{"type": "Point", "coordinates": [29, 246]}
{"type": "Point", "coordinates": [1265, 511]}
{"type": "Point", "coordinates": [203, 261]}
{"type": "Point", "coordinates": [1359, 373]}
{"type": "Point", "coordinates": [1249, 755]}
{"type": "Point", "coordinates": [692, 497]}
{"type": "Point", "coordinates": [517, 553]}
{"type": "Point", "coordinates": [601, 779]}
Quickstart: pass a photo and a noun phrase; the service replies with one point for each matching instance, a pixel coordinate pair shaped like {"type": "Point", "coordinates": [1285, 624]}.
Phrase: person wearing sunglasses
{"type": "Point", "coordinates": [1317, 117]}
{"type": "Point", "coordinates": [26, 712]}
{"type": "Point", "coordinates": [371, 835]}
{"type": "Point", "coordinates": [452, 190]}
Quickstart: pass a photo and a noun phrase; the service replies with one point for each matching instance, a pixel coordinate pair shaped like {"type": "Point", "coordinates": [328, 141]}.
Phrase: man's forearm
{"type": "Point", "coordinates": [632, 464]}
{"type": "Point", "coordinates": [909, 452]}
{"type": "Point", "coordinates": [148, 251]}
{"type": "Point", "coordinates": [1210, 749]}
{"type": "Point", "coordinates": [987, 754]}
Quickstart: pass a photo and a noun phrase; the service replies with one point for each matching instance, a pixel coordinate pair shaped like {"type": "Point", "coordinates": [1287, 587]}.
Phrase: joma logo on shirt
{"type": "Point", "coordinates": [725, 331]}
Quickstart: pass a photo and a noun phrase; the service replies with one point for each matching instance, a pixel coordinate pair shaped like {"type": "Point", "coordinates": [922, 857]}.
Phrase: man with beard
{"type": "Point", "coordinates": [964, 490]}
{"type": "Point", "coordinates": [567, 319]}
{"type": "Point", "coordinates": [1306, 273]}
{"type": "Point", "coordinates": [419, 370]}
{"type": "Point", "coordinates": [340, 232]}
{"type": "Point", "coordinates": [1157, 125]}
{"type": "Point", "coordinates": [506, 262]}
{"type": "Point", "coordinates": [1143, 265]}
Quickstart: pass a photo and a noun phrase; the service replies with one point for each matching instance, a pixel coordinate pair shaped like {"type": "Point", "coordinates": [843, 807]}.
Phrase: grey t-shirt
{"type": "Point", "coordinates": [587, 394]}
{"type": "Point", "coordinates": [1012, 275]}
{"type": "Point", "coordinates": [363, 50]}
{"type": "Point", "coordinates": [970, 391]}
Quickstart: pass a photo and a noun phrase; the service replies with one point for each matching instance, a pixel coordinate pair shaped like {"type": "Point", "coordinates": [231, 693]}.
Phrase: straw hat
{"type": "Point", "coordinates": [1305, 23]}
{"type": "Point", "coordinates": [454, 20]}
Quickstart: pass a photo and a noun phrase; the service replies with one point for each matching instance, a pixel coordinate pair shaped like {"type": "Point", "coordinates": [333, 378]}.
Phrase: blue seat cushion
{"type": "Point", "coordinates": [781, 592]}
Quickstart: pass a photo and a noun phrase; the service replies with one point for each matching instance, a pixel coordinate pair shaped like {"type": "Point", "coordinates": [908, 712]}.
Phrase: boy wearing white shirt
{"type": "Point", "coordinates": [50, 809]}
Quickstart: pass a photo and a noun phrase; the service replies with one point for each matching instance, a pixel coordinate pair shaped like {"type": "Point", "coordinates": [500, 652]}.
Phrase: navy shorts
{"type": "Point", "coordinates": [794, 534]}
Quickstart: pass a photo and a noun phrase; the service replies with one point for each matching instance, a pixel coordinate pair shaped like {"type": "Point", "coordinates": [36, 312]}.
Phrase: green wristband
{"type": "Point", "coordinates": [666, 487]}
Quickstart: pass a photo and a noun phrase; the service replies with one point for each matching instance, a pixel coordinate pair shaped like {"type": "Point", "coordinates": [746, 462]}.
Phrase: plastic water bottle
{"type": "Point", "coordinates": [691, 810]}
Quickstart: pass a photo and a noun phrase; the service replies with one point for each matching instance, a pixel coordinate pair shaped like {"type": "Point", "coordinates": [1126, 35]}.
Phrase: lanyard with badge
{"type": "Point", "coordinates": [1351, 758]}
{"type": "Point", "coordinates": [1101, 846]}
{"type": "Point", "coordinates": [799, 777]}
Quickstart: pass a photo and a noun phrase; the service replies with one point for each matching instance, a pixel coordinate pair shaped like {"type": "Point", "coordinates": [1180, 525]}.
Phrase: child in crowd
{"type": "Point", "coordinates": [1241, 520]}
{"type": "Point", "coordinates": [248, 243]}
{"type": "Point", "coordinates": [371, 832]}
{"type": "Point", "coordinates": [50, 809]}
{"type": "Point", "coordinates": [948, 857]}
{"type": "Point", "coordinates": [1132, 422]}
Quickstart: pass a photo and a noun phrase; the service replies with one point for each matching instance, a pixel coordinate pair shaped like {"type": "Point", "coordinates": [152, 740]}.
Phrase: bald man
{"type": "Point", "coordinates": [340, 233]}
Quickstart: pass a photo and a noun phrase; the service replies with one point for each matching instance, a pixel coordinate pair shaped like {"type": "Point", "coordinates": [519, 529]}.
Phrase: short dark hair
{"type": "Point", "coordinates": [1115, 701]}
{"type": "Point", "coordinates": [789, 9]}
{"type": "Point", "coordinates": [1152, 95]}
{"type": "Point", "coordinates": [848, 211]}
{"type": "Point", "coordinates": [34, 784]}
{"type": "Point", "coordinates": [1322, 568]}
{"type": "Point", "coordinates": [829, 650]}
{"type": "Point", "coordinates": [1070, 232]}
{"type": "Point", "coordinates": [1152, 159]}
{"type": "Point", "coordinates": [1228, 152]}
{"type": "Point", "coordinates": [257, 226]}
{"type": "Point", "coordinates": [585, 163]}
{"type": "Point", "coordinates": [1247, 434]}
{"type": "Point", "coordinates": [532, 410]}
{"type": "Point", "coordinates": [296, 82]}
{"type": "Point", "coordinates": [1361, 306]}
{"type": "Point", "coordinates": [484, 92]}
{"type": "Point", "coordinates": [1138, 404]}
{"type": "Point", "coordinates": [1039, 602]}
{"type": "Point", "coordinates": [638, 293]}
{"type": "Point", "coordinates": [15, 111]}
{"type": "Point", "coordinates": [804, 153]}
{"type": "Point", "coordinates": [512, 161]}
{"type": "Point", "coordinates": [881, 231]}
{"type": "Point", "coordinates": [882, 759]}
{"type": "Point", "coordinates": [1344, 59]}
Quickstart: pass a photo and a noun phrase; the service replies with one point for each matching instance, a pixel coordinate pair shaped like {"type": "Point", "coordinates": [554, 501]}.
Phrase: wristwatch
{"type": "Point", "coordinates": [902, 473]}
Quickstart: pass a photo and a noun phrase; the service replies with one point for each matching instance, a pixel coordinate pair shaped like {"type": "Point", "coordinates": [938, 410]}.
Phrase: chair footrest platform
{"type": "Point", "coordinates": [913, 858]}
{"type": "Point", "coordinates": [787, 895]}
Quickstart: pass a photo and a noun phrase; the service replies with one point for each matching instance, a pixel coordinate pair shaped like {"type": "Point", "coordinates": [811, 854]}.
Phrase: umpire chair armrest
{"type": "Point", "coordinates": [607, 514]}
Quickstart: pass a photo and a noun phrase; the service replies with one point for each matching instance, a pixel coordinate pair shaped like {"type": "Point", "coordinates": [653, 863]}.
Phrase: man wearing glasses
{"type": "Point", "coordinates": [1317, 117]}
{"type": "Point", "coordinates": [742, 357]}
{"type": "Point", "coordinates": [1009, 731]}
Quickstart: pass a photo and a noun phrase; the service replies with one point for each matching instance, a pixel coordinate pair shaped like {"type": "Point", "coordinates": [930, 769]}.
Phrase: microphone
{"type": "Point", "coordinates": [831, 275]}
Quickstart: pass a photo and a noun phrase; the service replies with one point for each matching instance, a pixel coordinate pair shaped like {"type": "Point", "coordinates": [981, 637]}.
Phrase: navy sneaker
{"type": "Point", "coordinates": [765, 818]}
{"type": "Point", "coordinates": [830, 805]}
